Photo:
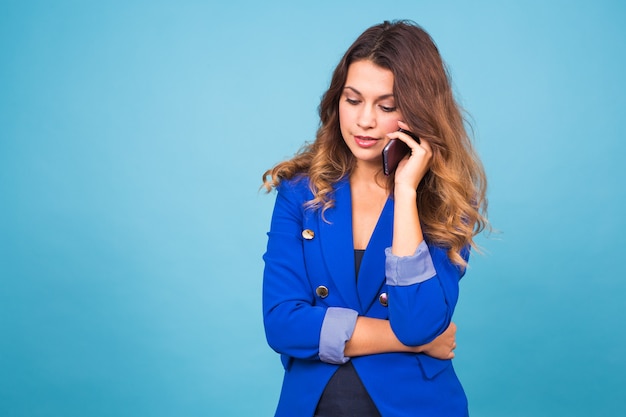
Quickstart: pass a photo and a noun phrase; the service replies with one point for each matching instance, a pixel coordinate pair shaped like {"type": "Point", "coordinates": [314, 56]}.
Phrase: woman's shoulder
{"type": "Point", "coordinates": [301, 183]}
{"type": "Point", "coordinates": [298, 186]}
{"type": "Point", "coordinates": [295, 183]}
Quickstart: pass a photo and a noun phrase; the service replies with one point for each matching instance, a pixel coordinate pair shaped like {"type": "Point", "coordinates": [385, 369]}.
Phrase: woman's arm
{"type": "Point", "coordinates": [372, 336]}
{"type": "Point", "coordinates": [407, 231]}
{"type": "Point", "coordinates": [297, 328]}
{"type": "Point", "coordinates": [293, 323]}
{"type": "Point", "coordinates": [422, 282]}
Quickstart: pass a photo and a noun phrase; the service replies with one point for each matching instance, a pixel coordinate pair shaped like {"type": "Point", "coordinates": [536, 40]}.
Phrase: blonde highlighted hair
{"type": "Point", "coordinates": [451, 198]}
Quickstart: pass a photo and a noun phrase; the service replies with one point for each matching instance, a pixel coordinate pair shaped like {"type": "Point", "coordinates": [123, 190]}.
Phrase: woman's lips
{"type": "Point", "coordinates": [365, 141]}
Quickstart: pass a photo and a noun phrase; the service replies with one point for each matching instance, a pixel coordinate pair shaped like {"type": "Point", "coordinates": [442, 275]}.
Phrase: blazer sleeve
{"type": "Point", "coordinates": [423, 290]}
{"type": "Point", "coordinates": [294, 324]}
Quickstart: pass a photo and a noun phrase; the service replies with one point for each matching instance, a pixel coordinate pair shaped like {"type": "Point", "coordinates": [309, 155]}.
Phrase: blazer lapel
{"type": "Point", "coordinates": [372, 272]}
{"type": "Point", "coordinates": [338, 247]}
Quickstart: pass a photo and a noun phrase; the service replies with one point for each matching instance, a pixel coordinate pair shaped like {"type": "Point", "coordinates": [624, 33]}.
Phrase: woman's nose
{"type": "Point", "coordinates": [367, 118]}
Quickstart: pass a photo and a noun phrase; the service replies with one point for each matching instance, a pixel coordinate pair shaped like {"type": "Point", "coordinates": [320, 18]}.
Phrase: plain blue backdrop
{"type": "Point", "coordinates": [133, 136]}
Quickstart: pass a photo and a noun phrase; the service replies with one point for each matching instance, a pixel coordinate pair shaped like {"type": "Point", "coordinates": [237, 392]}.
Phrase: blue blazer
{"type": "Point", "coordinates": [400, 384]}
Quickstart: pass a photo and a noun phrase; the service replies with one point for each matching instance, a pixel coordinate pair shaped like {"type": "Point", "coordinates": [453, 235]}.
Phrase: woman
{"type": "Point", "coordinates": [362, 270]}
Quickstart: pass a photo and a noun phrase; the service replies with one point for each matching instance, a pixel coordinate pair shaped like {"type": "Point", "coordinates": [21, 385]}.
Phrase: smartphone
{"type": "Point", "coordinates": [394, 151]}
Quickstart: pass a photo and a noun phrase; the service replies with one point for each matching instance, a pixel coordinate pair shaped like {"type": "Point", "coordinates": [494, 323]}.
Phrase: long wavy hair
{"type": "Point", "coordinates": [451, 198]}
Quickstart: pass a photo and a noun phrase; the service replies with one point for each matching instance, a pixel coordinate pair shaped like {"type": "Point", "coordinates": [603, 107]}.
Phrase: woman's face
{"type": "Point", "coordinates": [367, 111]}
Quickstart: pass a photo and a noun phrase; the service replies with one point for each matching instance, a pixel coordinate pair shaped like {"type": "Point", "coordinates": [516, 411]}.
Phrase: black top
{"type": "Point", "coordinates": [358, 257]}
{"type": "Point", "coordinates": [345, 395]}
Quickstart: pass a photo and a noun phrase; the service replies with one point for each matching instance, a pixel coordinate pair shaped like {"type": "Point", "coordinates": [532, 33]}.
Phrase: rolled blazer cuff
{"type": "Point", "coordinates": [409, 270]}
{"type": "Point", "coordinates": [337, 329]}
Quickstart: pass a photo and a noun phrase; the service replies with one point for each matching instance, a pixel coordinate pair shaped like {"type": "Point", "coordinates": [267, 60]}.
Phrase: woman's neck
{"type": "Point", "coordinates": [369, 195]}
{"type": "Point", "coordinates": [368, 176]}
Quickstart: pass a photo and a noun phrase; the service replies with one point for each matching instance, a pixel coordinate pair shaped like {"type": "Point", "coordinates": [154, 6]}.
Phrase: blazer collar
{"type": "Point", "coordinates": [372, 272]}
{"type": "Point", "coordinates": [338, 250]}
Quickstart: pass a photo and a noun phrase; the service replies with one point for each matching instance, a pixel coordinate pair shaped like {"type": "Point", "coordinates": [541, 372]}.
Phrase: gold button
{"type": "Point", "coordinates": [308, 234]}
{"type": "Point", "coordinates": [383, 299]}
{"type": "Point", "coordinates": [322, 291]}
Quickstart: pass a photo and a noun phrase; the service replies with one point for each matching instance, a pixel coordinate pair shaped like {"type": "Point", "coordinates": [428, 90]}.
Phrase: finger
{"type": "Point", "coordinates": [411, 134]}
{"type": "Point", "coordinates": [426, 145]}
{"type": "Point", "coordinates": [407, 137]}
{"type": "Point", "coordinates": [404, 128]}
{"type": "Point", "coordinates": [403, 125]}
{"type": "Point", "coordinates": [416, 140]}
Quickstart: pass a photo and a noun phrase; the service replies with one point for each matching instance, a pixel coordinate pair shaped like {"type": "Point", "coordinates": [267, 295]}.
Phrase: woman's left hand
{"type": "Point", "coordinates": [412, 169]}
{"type": "Point", "coordinates": [443, 346]}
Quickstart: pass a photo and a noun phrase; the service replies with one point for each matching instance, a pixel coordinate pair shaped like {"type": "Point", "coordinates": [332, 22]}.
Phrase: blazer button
{"type": "Point", "coordinates": [321, 291]}
{"type": "Point", "coordinates": [308, 234]}
{"type": "Point", "coordinates": [382, 298]}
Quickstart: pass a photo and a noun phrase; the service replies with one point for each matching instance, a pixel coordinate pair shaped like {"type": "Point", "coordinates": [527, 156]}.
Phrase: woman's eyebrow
{"type": "Point", "coordinates": [354, 90]}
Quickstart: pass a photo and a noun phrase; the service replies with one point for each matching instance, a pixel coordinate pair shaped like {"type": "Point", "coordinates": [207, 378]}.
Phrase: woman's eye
{"type": "Point", "coordinates": [387, 109]}
{"type": "Point", "coordinates": [352, 101]}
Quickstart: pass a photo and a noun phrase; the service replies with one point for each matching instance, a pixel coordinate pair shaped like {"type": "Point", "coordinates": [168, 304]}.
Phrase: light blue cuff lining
{"type": "Point", "coordinates": [337, 329]}
{"type": "Point", "coordinates": [409, 270]}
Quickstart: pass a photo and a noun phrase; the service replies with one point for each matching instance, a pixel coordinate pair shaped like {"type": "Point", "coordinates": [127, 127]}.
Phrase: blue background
{"type": "Point", "coordinates": [133, 136]}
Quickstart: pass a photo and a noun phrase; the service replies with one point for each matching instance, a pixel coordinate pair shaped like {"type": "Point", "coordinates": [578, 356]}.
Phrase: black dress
{"type": "Point", "coordinates": [345, 395]}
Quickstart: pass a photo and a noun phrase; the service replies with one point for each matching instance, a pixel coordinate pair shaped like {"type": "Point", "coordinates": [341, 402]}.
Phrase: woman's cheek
{"type": "Point", "coordinates": [391, 124]}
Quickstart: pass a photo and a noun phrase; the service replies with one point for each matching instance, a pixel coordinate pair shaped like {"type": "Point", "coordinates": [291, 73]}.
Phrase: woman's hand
{"type": "Point", "coordinates": [412, 169]}
{"type": "Point", "coordinates": [407, 231]}
{"type": "Point", "coordinates": [443, 346]}
{"type": "Point", "coordinates": [372, 336]}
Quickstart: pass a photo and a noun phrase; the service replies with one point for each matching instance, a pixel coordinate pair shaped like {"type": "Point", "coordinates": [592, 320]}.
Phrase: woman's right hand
{"type": "Point", "coordinates": [411, 170]}
{"type": "Point", "coordinates": [443, 346]}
